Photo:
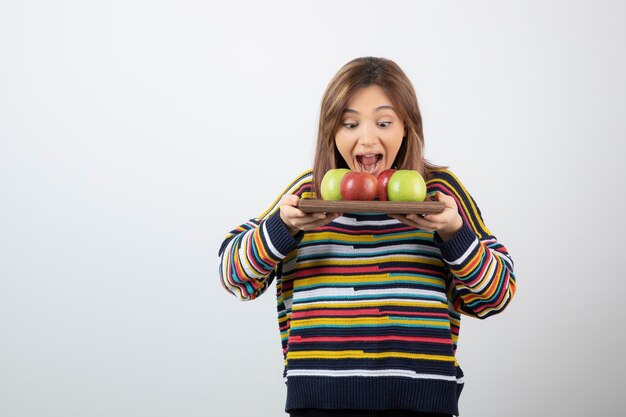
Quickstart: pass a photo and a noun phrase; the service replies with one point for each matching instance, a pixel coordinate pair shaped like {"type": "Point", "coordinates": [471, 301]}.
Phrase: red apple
{"type": "Point", "coordinates": [359, 186]}
{"type": "Point", "coordinates": [383, 179]}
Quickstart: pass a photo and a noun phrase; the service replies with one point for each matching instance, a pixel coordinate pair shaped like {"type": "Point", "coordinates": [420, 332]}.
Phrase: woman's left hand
{"type": "Point", "coordinates": [446, 224]}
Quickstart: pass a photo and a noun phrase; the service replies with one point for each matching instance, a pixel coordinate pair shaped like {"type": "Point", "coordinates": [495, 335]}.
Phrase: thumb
{"type": "Point", "coordinates": [446, 199]}
{"type": "Point", "coordinates": [289, 199]}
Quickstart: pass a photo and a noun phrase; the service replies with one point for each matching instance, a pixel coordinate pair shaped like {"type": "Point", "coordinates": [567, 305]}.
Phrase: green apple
{"type": "Point", "coordinates": [406, 185]}
{"type": "Point", "coordinates": [331, 184]}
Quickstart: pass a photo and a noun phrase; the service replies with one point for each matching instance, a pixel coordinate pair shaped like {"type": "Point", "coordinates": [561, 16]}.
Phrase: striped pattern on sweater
{"type": "Point", "coordinates": [367, 305]}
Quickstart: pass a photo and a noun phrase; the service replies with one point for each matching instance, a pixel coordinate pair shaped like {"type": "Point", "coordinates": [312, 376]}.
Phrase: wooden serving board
{"type": "Point", "coordinates": [389, 207]}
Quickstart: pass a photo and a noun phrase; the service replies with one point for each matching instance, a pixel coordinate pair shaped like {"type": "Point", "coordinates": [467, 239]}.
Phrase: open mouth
{"type": "Point", "coordinates": [369, 162]}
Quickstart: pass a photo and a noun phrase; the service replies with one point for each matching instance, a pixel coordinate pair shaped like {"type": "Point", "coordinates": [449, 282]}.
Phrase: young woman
{"type": "Point", "coordinates": [369, 305]}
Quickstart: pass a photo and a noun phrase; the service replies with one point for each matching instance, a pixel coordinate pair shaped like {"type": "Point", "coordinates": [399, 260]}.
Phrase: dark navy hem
{"type": "Point", "coordinates": [366, 393]}
{"type": "Point", "coordinates": [279, 235]}
{"type": "Point", "coordinates": [453, 249]}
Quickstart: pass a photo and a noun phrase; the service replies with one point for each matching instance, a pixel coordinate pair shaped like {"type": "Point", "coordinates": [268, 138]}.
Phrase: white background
{"type": "Point", "coordinates": [135, 134]}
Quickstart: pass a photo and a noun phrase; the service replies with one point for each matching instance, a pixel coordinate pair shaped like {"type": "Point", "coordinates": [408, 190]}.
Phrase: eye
{"type": "Point", "coordinates": [383, 124]}
{"type": "Point", "coordinates": [350, 125]}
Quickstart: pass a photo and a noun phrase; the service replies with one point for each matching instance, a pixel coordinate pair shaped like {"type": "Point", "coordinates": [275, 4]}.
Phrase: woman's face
{"type": "Point", "coordinates": [371, 131]}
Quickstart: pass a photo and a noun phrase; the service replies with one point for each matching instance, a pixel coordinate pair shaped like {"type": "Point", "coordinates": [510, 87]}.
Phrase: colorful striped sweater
{"type": "Point", "coordinates": [369, 308]}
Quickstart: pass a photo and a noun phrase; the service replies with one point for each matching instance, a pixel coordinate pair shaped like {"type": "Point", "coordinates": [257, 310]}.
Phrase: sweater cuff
{"type": "Point", "coordinates": [457, 246]}
{"type": "Point", "coordinates": [279, 235]}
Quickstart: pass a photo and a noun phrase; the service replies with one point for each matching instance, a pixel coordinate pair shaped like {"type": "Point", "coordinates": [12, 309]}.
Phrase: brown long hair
{"type": "Point", "coordinates": [356, 74]}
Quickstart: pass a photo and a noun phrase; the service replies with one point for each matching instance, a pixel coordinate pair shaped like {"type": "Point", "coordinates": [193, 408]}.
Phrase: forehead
{"type": "Point", "coordinates": [368, 98]}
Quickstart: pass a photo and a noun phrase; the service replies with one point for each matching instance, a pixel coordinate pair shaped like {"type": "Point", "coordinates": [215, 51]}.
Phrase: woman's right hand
{"type": "Point", "coordinates": [296, 220]}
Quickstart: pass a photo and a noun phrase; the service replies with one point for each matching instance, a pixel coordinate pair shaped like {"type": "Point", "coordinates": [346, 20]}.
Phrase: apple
{"type": "Point", "coordinates": [406, 185]}
{"type": "Point", "coordinates": [359, 186]}
{"type": "Point", "coordinates": [331, 183]}
{"type": "Point", "coordinates": [383, 179]}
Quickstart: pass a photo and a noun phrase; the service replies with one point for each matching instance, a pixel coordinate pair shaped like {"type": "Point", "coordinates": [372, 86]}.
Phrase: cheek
{"type": "Point", "coordinates": [392, 144]}
{"type": "Point", "coordinates": [344, 145]}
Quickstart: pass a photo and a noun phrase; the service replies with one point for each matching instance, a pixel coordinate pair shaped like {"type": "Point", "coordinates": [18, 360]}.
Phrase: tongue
{"type": "Point", "coordinates": [368, 164]}
{"type": "Point", "coordinates": [369, 160]}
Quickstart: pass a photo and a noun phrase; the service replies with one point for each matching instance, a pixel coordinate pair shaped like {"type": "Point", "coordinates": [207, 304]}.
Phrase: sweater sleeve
{"type": "Point", "coordinates": [251, 254]}
{"type": "Point", "coordinates": [482, 279]}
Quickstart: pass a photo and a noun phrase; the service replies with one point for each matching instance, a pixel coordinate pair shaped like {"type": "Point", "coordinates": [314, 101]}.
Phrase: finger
{"type": "Point", "coordinates": [422, 222]}
{"type": "Point", "coordinates": [292, 211]}
{"type": "Point", "coordinates": [448, 201]}
{"type": "Point", "coordinates": [417, 221]}
{"type": "Point", "coordinates": [289, 200]}
{"type": "Point", "coordinates": [404, 219]}
{"type": "Point", "coordinates": [434, 218]}
{"type": "Point", "coordinates": [330, 215]}
{"type": "Point", "coordinates": [312, 217]}
{"type": "Point", "coordinates": [399, 217]}
{"type": "Point", "coordinates": [318, 221]}
{"type": "Point", "coordinates": [417, 218]}
{"type": "Point", "coordinates": [445, 216]}
{"type": "Point", "coordinates": [333, 216]}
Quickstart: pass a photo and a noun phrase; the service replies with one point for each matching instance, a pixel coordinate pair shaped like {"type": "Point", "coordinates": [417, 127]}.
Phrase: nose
{"type": "Point", "coordinates": [368, 136]}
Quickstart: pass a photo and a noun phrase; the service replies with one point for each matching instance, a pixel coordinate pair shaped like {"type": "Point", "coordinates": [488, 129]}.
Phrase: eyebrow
{"type": "Point", "coordinates": [383, 107]}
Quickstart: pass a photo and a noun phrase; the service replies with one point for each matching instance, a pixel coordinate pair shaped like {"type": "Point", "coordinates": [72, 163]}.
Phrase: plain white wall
{"type": "Point", "coordinates": [134, 134]}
